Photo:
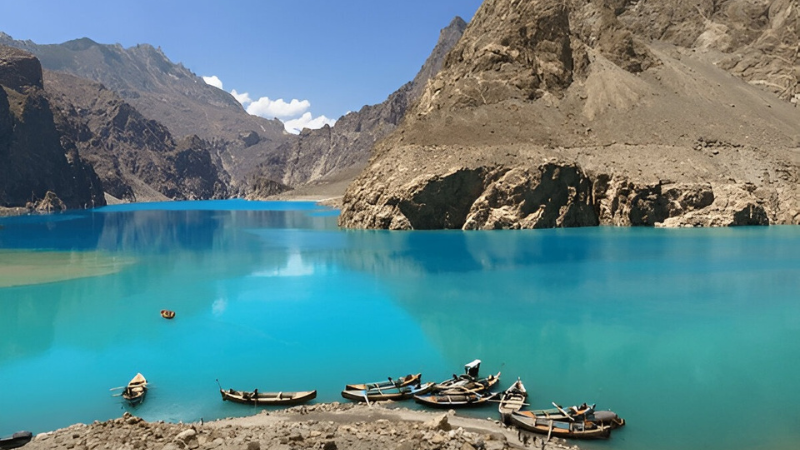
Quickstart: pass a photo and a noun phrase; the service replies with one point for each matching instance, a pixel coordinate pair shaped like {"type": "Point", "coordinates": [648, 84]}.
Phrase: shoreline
{"type": "Point", "coordinates": [327, 426]}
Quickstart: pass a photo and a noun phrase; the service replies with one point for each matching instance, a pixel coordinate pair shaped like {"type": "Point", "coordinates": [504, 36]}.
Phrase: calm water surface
{"type": "Point", "coordinates": [692, 335]}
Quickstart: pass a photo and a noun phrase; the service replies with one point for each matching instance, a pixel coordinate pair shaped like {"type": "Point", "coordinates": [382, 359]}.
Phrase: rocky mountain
{"type": "Point", "coordinates": [577, 113]}
{"type": "Point", "coordinates": [37, 168]}
{"type": "Point", "coordinates": [137, 159]}
{"type": "Point", "coordinates": [332, 153]}
{"type": "Point", "coordinates": [170, 94]}
{"type": "Point", "coordinates": [251, 156]}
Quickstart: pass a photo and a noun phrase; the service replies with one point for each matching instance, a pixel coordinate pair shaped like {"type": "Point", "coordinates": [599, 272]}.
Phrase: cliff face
{"type": "Point", "coordinates": [37, 169]}
{"type": "Point", "coordinates": [137, 159]}
{"type": "Point", "coordinates": [334, 152]}
{"type": "Point", "coordinates": [551, 113]}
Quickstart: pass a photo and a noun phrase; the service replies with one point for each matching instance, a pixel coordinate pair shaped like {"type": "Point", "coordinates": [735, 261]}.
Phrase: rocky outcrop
{"type": "Point", "coordinates": [552, 195]}
{"type": "Point", "coordinates": [37, 169]}
{"type": "Point", "coordinates": [557, 114]}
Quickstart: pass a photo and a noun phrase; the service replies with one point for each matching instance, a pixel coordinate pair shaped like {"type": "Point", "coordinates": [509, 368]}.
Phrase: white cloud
{"type": "Point", "coordinates": [243, 98]}
{"type": "Point", "coordinates": [287, 112]}
{"type": "Point", "coordinates": [269, 109]}
{"type": "Point", "coordinates": [213, 81]}
{"type": "Point", "coordinates": [295, 126]}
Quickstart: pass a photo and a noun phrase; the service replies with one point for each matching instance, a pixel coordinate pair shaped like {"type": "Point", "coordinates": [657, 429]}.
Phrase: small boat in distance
{"type": "Point", "coordinates": [387, 393]}
{"type": "Point", "coordinates": [399, 382]}
{"type": "Point", "coordinates": [167, 314]}
{"type": "Point", "coordinates": [135, 390]}
{"type": "Point", "coordinates": [16, 440]}
{"type": "Point", "coordinates": [513, 399]}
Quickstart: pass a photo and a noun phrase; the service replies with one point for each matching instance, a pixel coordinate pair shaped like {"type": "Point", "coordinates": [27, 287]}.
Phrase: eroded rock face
{"type": "Point", "coordinates": [552, 195]}
{"type": "Point", "coordinates": [19, 69]}
{"type": "Point", "coordinates": [137, 159]}
{"type": "Point", "coordinates": [36, 169]}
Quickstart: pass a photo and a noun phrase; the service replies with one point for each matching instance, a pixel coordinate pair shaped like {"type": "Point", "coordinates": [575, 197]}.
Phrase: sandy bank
{"type": "Point", "coordinates": [322, 426]}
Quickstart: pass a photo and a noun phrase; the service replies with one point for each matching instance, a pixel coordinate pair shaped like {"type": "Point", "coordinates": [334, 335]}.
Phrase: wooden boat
{"type": "Point", "coordinates": [135, 390]}
{"type": "Point", "coordinates": [387, 393]}
{"type": "Point", "coordinates": [513, 399]}
{"type": "Point", "coordinates": [528, 421]}
{"type": "Point", "coordinates": [267, 398]}
{"type": "Point", "coordinates": [466, 384]}
{"type": "Point", "coordinates": [455, 400]}
{"type": "Point", "coordinates": [167, 314]}
{"type": "Point", "coordinates": [16, 440]}
{"type": "Point", "coordinates": [580, 413]}
{"type": "Point", "coordinates": [399, 382]}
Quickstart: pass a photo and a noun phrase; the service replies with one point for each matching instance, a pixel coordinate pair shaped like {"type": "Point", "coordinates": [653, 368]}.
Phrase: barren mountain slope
{"type": "Point", "coordinates": [326, 155]}
{"type": "Point", "coordinates": [551, 113]}
{"type": "Point", "coordinates": [137, 159]}
{"type": "Point", "coordinates": [170, 94]}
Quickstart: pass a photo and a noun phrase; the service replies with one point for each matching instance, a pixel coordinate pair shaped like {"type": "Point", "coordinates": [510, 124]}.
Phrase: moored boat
{"type": "Point", "coordinates": [584, 412]}
{"type": "Point", "coordinates": [16, 440]}
{"type": "Point", "coordinates": [387, 393]}
{"type": "Point", "coordinates": [513, 399]}
{"type": "Point", "coordinates": [469, 381]}
{"type": "Point", "coordinates": [167, 314]}
{"type": "Point", "coordinates": [525, 420]}
{"type": "Point", "coordinates": [267, 398]}
{"type": "Point", "coordinates": [136, 389]}
{"type": "Point", "coordinates": [410, 379]}
{"type": "Point", "coordinates": [455, 400]}
{"type": "Point", "coordinates": [466, 384]}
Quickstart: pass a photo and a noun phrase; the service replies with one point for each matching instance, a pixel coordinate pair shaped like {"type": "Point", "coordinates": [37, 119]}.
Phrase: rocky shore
{"type": "Point", "coordinates": [323, 426]}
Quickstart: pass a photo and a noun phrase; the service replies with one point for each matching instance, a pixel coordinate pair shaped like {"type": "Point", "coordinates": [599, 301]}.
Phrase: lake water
{"type": "Point", "coordinates": [693, 336]}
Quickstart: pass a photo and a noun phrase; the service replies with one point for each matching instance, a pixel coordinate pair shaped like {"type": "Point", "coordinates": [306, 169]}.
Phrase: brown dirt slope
{"type": "Point", "coordinates": [551, 113]}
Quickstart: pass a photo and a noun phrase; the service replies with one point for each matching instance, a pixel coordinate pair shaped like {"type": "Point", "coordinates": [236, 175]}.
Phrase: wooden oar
{"type": "Point", "coordinates": [118, 388]}
{"type": "Point", "coordinates": [561, 410]}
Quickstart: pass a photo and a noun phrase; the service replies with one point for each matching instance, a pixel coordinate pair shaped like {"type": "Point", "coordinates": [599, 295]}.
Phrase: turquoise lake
{"type": "Point", "coordinates": [690, 334]}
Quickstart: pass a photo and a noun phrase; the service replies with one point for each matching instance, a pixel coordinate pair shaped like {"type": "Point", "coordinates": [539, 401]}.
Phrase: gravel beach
{"type": "Point", "coordinates": [322, 426]}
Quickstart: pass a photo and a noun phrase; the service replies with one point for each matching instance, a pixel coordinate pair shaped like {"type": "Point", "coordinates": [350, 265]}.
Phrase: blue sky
{"type": "Point", "coordinates": [336, 55]}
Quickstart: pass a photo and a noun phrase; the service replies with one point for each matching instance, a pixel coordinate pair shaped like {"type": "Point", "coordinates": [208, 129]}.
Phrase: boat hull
{"type": "Point", "coordinates": [267, 398]}
{"type": "Point", "coordinates": [136, 390]}
{"type": "Point", "coordinates": [555, 428]}
{"type": "Point", "coordinates": [513, 399]}
{"type": "Point", "coordinates": [399, 382]}
{"type": "Point", "coordinates": [445, 400]}
{"type": "Point", "coordinates": [16, 440]}
{"type": "Point", "coordinates": [378, 395]}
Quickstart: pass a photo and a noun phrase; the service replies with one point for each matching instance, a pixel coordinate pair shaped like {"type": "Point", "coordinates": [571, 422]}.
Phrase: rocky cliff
{"type": "Point", "coordinates": [337, 152]}
{"type": "Point", "coordinates": [137, 159]}
{"type": "Point", "coordinates": [553, 114]}
{"type": "Point", "coordinates": [37, 168]}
